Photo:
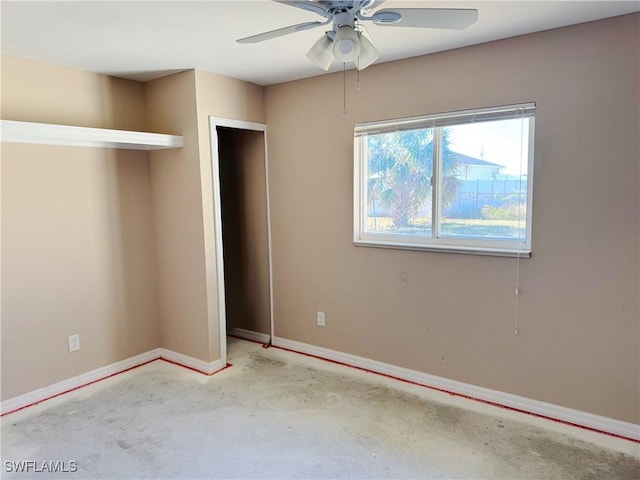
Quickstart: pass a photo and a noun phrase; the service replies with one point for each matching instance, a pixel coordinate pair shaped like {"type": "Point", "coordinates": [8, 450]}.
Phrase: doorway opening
{"type": "Point", "coordinates": [243, 236]}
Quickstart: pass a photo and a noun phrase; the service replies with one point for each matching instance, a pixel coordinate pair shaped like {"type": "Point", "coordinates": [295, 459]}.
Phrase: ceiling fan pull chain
{"type": "Point", "coordinates": [344, 88]}
{"type": "Point", "coordinates": [358, 73]}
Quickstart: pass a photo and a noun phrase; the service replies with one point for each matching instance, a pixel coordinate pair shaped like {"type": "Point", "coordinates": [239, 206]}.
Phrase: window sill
{"type": "Point", "coordinates": [496, 252]}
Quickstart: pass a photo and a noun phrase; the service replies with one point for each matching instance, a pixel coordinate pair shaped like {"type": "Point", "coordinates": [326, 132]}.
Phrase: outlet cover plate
{"type": "Point", "coordinates": [74, 342]}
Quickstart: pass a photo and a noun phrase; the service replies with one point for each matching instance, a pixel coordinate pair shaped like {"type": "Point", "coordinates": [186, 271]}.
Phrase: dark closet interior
{"type": "Point", "coordinates": [244, 229]}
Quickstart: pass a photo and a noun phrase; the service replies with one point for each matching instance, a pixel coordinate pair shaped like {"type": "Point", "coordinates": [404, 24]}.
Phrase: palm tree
{"type": "Point", "coordinates": [400, 166]}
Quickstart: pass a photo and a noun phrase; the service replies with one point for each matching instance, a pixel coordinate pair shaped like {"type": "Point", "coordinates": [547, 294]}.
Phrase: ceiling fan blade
{"type": "Point", "coordinates": [261, 37]}
{"type": "Point", "coordinates": [372, 5]}
{"type": "Point", "coordinates": [306, 5]}
{"type": "Point", "coordinates": [449, 18]}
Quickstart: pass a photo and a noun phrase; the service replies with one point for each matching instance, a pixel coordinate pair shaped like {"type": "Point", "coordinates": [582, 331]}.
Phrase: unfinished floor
{"type": "Point", "coordinates": [277, 414]}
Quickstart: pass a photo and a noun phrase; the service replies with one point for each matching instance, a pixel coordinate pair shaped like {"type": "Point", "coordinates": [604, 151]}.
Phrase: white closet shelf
{"type": "Point", "coordinates": [50, 134]}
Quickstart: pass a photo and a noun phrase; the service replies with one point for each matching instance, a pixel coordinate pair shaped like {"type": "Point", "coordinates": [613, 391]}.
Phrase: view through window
{"type": "Point", "coordinates": [459, 181]}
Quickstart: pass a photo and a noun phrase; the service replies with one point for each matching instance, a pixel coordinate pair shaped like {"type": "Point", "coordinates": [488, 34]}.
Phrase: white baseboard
{"type": "Point", "coordinates": [251, 335]}
{"type": "Point", "coordinates": [526, 405]}
{"type": "Point", "coordinates": [84, 379]}
{"type": "Point", "coordinates": [191, 362]}
{"type": "Point", "coordinates": [41, 394]}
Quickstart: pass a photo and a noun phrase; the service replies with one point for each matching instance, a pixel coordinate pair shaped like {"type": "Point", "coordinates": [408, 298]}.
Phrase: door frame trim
{"type": "Point", "coordinates": [214, 123]}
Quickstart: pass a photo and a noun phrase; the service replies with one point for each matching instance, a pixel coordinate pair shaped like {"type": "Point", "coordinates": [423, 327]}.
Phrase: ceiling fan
{"type": "Point", "coordinates": [345, 41]}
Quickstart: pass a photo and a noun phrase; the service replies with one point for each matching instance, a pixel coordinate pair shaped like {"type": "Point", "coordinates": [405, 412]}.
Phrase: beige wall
{"type": "Point", "coordinates": [228, 98]}
{"type": "Point", "coordinates": [35, 92]}
{"type": "Point", "coordinates": [453, 315]}
{"type": "Point", "coordinates": [244, 225]}
{"type": "Point", "coordinates": [79, 225]}
{"type": "Point", "coordinates": [77, 244]}
{"type": "Point", "coordinates": [107, 243]}
{"type": "Point", "coordinates": [183, 202]}
{"type": "Point", "coordinates": [177, 217]}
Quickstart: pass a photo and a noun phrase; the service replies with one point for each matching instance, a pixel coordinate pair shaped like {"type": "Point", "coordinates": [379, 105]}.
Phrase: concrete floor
{"type": "Point", "coordinates": [276, 414]}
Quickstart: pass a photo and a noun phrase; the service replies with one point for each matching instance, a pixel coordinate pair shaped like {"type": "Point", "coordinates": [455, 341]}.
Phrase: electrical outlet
{"type": "Point", "coordinates": [74, 342]}
{"type": "Point", "coordinates": [320, 319]}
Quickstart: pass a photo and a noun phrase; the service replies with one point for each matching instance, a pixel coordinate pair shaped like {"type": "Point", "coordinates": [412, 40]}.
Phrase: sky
{"type": "Point", "coordinates": [502, 142]}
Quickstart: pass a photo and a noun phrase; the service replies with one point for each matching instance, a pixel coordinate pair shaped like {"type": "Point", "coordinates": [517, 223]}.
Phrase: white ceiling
{"type": "Point", "coordinates": [143, 40]}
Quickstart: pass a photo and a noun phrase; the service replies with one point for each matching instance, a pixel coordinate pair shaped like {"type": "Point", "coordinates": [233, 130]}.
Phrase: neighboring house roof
{"type": "Point", "coordinates": [467, 160]}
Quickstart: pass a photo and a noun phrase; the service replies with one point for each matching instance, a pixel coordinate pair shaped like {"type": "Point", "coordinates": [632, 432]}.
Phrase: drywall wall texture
{"type": "Point", "coordinates": [77, 242]}
{"type": "Point", "coordinates": [453, 315]}
{"type": "Point", "coordinates": [177, 218]}
{"type": "Point", "coordinates": [244, 228]}
{"type": "Point", "coordinates": [34, 92]}
{"type": "Point", "coordinates": [183, 202]}
{"type": "Point", "coordinates": [228, 98]}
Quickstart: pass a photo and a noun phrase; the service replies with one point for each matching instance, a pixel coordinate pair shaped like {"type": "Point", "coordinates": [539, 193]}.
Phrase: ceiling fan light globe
{"type": "Point", "coordinates": [346, 44]}
{"type": "Point", "coordinates": [368, 53]}
{"type": "Point", "coordinates": [320, 53]}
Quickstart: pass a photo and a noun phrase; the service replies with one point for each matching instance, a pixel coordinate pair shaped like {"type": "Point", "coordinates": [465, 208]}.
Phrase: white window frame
{"type": "Point", "coordinates": [478, 246]}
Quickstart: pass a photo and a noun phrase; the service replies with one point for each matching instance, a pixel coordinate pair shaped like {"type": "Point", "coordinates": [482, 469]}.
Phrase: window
{"type": "Point", "coordinates": [457, 182]}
